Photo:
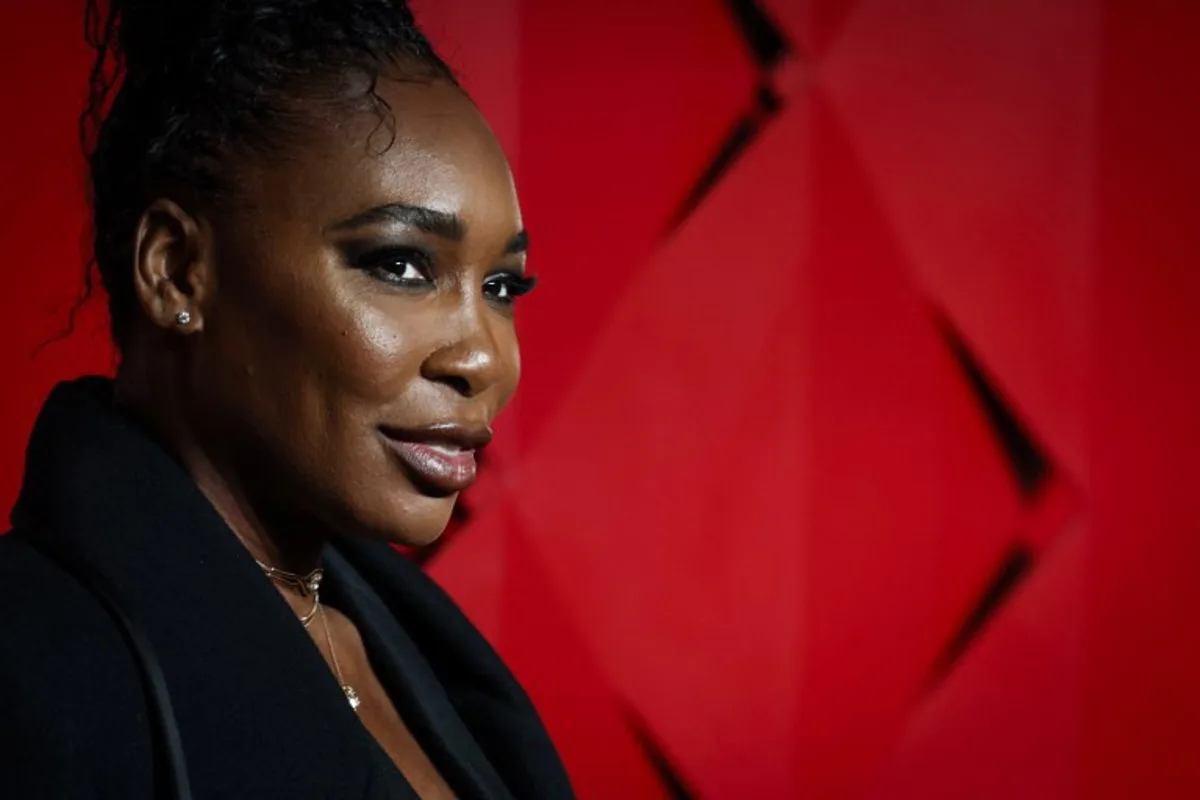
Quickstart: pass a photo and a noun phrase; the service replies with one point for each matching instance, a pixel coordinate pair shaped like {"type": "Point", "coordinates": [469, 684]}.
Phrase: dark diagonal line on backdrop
{"type": "Point", "coordinates": [766, 41]}
{"type": "Point", "coordinates": [1029, 465]}
{"type": "Point", "coordinates": [737, 141]}
{"type": "Point", "coordinates": [1009, 575]}
{"type": "Point", "coordinates": [768, 47]}
{"type": "Point", "coordinates": [672, 781]}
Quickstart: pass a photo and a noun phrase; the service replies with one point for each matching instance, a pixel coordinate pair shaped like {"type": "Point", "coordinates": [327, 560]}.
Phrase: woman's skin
{"type": "Point", "coordinates": [305, 367]}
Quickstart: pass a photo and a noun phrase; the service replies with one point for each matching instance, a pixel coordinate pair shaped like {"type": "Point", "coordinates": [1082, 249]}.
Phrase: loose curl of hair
{"type": "Point", "coordinates": [180, 87]}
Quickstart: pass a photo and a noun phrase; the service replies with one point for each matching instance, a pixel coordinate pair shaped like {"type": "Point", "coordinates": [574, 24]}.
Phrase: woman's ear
{"type": "Point", "coordinates": [172, 267]}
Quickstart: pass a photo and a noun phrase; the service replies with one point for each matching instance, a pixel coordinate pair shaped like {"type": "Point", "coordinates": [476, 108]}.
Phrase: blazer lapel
{"type": "Point", "coordinates": [465, 670]}
{"type": "Point", "coordinates": [411, 683]}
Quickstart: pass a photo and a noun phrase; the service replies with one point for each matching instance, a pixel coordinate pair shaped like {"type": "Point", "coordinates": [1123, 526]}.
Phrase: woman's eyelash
{"type": "Point", "coordinates": [505, 287]}
{"type": "Point", "coordinates": [390, 265]}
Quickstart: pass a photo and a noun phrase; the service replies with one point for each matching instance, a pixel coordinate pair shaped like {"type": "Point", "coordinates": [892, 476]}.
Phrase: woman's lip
{"type": "Point", "coordinates": [442, 467]}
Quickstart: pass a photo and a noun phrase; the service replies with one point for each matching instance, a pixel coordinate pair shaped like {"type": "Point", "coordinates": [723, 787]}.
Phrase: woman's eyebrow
{"type": "Point", "coordinates": [439, 223]}
{"type": "Point", "coordinates": [517, 244]}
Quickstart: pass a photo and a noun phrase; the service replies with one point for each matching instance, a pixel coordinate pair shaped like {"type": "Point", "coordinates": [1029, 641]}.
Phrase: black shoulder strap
{"type": "Point", "coordinates": [171, 766]}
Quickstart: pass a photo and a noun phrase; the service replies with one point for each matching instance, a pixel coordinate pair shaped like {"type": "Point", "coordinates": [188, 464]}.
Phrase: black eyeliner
{"type": "Point", "coordinates": [517, 284]}
{"type": "Point", "coordinates": [373, 256]}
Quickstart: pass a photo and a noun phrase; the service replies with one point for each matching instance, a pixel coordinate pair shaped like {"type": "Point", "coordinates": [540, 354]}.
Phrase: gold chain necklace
{"type": "Point", "coordinates": [347, 689]}
{"type": "Point", "coordinates": [306, 585]}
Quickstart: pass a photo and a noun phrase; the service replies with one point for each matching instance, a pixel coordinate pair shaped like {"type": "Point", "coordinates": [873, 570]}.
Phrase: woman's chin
{"type": "Point", "coordinates": [418, 528]}
{"type": "Point", "coordinates": [411, 542]}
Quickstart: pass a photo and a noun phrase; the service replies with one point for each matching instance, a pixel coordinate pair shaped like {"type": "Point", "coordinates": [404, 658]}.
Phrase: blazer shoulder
{"type": "Point", "coordinates": [54, 628]}
{"type": "Point", "coordinates": [70, 694]}
{"type": "Point", "coordinates": [38, 599]}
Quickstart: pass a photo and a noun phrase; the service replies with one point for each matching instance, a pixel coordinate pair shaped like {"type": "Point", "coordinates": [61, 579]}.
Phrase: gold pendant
{"type": "Point", "coordinates": [352, 696]}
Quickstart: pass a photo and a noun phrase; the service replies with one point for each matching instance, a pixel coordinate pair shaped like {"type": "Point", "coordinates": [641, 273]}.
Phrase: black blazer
{"type": "Point", "coordinates": [246, 705]}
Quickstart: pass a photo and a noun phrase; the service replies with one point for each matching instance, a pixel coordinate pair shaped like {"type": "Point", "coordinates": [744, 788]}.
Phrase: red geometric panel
{"type": "Point", "coordinates": [621, 107]}
{"type": "Point", "coordinates": [975, 122]}
{"type": "Point", "coordinates": [914, 510]}
{"type": "Point", "coordinates": [1006, 722]}
{"type": "Point", "coordinates": [1141, 637]}
{"type": "Point", "coordinates": [679, 564]}
{"type": "Point", "coordinates": [578, 705]}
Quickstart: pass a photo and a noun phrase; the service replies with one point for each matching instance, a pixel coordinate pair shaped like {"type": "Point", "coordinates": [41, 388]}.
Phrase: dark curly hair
{"type": "Point", "coordinates": [180, 87]}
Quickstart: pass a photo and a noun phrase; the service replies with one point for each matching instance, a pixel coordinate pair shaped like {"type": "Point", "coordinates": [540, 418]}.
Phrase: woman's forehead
{"type": "Point", "coordinates": [437, 152]}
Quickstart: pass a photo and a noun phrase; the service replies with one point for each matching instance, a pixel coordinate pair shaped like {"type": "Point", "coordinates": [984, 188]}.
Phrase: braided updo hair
{"type": "Point", "coordinates": [181, 87]}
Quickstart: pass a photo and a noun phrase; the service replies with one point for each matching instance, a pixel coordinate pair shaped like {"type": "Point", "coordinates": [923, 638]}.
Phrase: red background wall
{"type": "Point", "coordinates": [855, 452]}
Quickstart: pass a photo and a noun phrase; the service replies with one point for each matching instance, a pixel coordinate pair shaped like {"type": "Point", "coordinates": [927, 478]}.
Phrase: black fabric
{"type": "Point", "coordinates": [170, 763]}
{"type": "Point", "coordinates": [259, 714]}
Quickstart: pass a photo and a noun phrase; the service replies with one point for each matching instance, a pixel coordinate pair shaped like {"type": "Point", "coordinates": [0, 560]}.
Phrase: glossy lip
{"type": "Point", "coordinates": [439, 457]}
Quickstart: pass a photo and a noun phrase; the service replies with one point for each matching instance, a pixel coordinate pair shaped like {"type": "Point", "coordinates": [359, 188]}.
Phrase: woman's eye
{"type": "Point", "coordinates": [406, 271]}
{"type": "Point", "coordinates": [398, 267]}
{"type": "Point", "coordinates": [506, 287]}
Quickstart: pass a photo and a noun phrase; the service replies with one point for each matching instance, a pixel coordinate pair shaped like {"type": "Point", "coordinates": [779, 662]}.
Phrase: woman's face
{"type": "Point", "coordinates": [359, 341]}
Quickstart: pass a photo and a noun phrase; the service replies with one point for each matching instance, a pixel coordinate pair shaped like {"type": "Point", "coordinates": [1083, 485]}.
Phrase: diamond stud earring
{"type": "Point", "coordinates": [183, 317]}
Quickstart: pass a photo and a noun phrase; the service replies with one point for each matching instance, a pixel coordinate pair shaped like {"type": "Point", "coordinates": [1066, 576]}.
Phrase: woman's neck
{"type": "Point", "coordinates": [273, 535]}
{"type": "Point", "coordinates": [290, 545]}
